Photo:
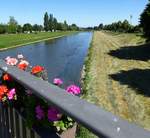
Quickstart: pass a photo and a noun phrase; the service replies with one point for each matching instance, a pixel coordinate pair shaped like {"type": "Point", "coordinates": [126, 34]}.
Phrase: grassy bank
{"type": "Point", "coordinates": [117, 76]}
{"type": "Point", "coordinates": [14, 40]}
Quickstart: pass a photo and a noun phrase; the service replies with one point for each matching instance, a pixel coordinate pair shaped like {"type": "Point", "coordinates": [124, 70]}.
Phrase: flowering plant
{"type": "Point", "coordinates": [37, 111]}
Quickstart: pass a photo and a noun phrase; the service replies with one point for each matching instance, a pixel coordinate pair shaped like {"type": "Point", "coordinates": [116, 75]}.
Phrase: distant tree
{"type": "Point", "coordinates": [35, 27]}
{"type": "Point", "coordinates": [65, 26]}
{"type": "Point", "coordinates": [55, 24]}
{"type": "Point", "coordinates": [59, 26]}
{"type": "Point", "coordinates": [46, 22]}
{"type": "Point", "coordinates": [74, 27]}
{"type": "Point", "coordinates": [3, 28]}
{"type": "Point", "coordinates": [27, 27]}
{"type": "Point", "coordinates": [126, 26]}
{"type": "Point", "coordinates": [41, 28]}
{"type": "Point", "coordinates": [12, 25]}
{"type": "Point", "coordinates": [19, 29]}
{"type": "Point", "coordinates": [51, 22]}
{"type": "Point", "coordinates": [145, 20]}
{"type": "Point", "coordinates": [100, 26]}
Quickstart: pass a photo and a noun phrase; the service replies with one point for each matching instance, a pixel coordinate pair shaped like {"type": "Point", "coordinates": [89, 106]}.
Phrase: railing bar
{"type": "Point", "coordinates": [36, 135]}
{"type": "Point", "coordinates": [17, 124]}
{"type": "Point", "coordinates": [20, 126]}
{"type": "Point", "coordinates": [9, 120]}
{"type": "Point", "coordinates": [100, 122]}
{"type": "Point", "coordinates": [1, 120]}
{"type": "Point", "coordinates": [14, 123]}
{"type": "Point", "coordinates": [28, 133]}
{"type": "Point", "coordinates": [3, 125]}
{"type": "Point", "coordinates": [7, 123]}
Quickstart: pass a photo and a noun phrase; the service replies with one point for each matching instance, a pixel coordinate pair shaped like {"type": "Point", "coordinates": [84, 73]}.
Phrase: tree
{"type": "Point", "coordinates": [46, 22]}
{"type": "Point", "coordinates": [65, 26]}
{"type": "Point", "coordinates": [27, 27]}
{"type": "Point", "coordinates": [125, 26]}
{"type": "Point", "coordinates": [59, 26]}
{"type": "Point", "coordinates": [3, 28]}
{"type": "Point", "coordinates": [12, 25]}
{"type": "Point", "coordinates": [35, 27]}
{"type": "Point", "coordinates": [145, 21]}
{"type": "Point", "coordinates": [55, 24]}
{"type": "Point", "coordinates": [19, 29]}
{"type": "Point", "coordinates": [100, 26]}
{"type": "Point", "coordinates": [74, 27]}
{"type": "Point", "coordinates": [51, 19]}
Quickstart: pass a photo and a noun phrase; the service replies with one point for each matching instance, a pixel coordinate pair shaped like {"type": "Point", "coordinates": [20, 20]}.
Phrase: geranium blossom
{"type": "Point", "coordinates": [7, 77]}
{"type": "Point", "coordinates": [53, 114]}
{"type": "Point", "coordinates": [23, 64]}
{"type": "Point", "coordinates": [37, 69]}
{"type": "Point", "coordinates": [39, 112]}
{"type": "Point", "coordinates": [20, 56]}
{"type": "Point", "coordinates": [57, 81]}
{"type": "Point", "coordinates": [3, 90]}
{"type": "Point", "coordinates": [11, 61]}
{"type": "Point", "coordinates": [73, 89]}
{"type": "Point", "coordinates": [11, 94]}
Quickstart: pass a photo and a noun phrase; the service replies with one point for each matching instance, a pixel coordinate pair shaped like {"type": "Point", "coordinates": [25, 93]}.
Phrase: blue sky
{"type": "Point", "coordinates": [82, 12]}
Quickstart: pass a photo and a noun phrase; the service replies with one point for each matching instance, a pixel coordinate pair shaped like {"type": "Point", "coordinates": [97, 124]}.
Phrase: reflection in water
{"type": "Point", "coordinates": [61, 57]}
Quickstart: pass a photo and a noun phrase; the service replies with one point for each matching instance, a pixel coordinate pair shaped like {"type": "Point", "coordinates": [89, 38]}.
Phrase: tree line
{"type": "Point", "coordinates": [50, 24]}
{"type": "Point", "coordinates": [145, 21]}
{"type": "Point", "coordinates": [120, 26]}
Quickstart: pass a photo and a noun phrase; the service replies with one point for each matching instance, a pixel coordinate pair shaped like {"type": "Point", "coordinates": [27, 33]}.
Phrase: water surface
{"type": "Point", "coordinates": [62, 57]}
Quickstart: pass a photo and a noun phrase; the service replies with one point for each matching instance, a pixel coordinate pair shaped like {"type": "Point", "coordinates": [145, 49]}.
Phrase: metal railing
{"type": "Point", "coordinates": [97, 120]}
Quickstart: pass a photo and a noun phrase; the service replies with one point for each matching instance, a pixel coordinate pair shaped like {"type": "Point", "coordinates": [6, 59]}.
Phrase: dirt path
{"type": "Point", "coordinates": [119, 84]}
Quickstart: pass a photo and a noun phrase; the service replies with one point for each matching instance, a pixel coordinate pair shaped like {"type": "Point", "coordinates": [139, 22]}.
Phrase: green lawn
{"type": "Point", "coordinates": [12, 40]}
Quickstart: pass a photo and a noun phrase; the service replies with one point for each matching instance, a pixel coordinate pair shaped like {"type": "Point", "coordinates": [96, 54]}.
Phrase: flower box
{"type": "Point", "coordinates": [41, 118]}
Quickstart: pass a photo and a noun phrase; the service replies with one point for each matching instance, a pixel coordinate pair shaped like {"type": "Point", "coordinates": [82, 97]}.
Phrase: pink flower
{"type": "Point", "coordinates": [39, 112]}
{"type": "Point", "coordinates": [11, 61]}
{"type": "Point", "coordinates": [53, 114]}
{"type": "Point", "coordinates": [57, 81]}
{"type": "Point", "coordinates": [20, 56]}
{"type": "Point", "coordinates": [73, 89]}
{"type": "Point", "coordinates": [11, 94]}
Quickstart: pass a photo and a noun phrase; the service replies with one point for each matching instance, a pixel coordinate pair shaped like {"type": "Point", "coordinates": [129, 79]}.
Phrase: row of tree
{"type": "Point", "coordinates": [50, 24]}
{"type": "Point", "coordinates": [13, 27]}
{"type": "Point", "coordinates": [120, 26]}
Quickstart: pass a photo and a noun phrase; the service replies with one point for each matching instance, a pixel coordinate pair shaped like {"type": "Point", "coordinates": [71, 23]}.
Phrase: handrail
{"type": "Point", "coordinates": [97, 120]}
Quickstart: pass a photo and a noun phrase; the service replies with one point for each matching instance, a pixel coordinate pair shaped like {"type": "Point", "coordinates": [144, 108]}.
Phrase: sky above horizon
{"type": "Point", "coordinates": [81, 12]}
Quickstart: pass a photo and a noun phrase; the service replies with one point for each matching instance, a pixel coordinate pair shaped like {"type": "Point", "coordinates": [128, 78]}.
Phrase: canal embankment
{"type": "Point", "coordinates": [117, 76]}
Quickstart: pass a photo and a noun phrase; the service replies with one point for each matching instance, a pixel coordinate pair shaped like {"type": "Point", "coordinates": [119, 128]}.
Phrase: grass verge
{"type": "Point", "coordinates": [15, 40]}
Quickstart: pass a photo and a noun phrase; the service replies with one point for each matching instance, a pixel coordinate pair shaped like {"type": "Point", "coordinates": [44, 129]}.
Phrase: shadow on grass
{"type": "Point", "coordinates": [141, 52]}
{"type": "Point", "coordinates": [137, 79]}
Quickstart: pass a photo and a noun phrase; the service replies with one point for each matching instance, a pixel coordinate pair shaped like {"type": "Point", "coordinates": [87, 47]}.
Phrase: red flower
{"type": "Point", "coordinates": [23, 64]}
{"type": "Point", "coordinates": [37, 69]}
{"type": "Point", "coordinates": [3, 90]}
{"type": "Point", "coordinates": [7, 77]}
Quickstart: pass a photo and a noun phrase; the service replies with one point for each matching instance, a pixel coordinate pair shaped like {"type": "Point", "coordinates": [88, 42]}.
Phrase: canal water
{"type": "Point", "coordinates": [62, 57]}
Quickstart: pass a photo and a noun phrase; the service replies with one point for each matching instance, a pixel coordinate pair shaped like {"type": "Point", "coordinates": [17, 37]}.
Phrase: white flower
{"type": "Point", "coordinates": [20, 56]}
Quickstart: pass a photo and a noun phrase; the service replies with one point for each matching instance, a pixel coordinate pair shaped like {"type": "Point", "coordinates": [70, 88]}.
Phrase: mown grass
{"type": "Point", "coordinates": [82, 132]}
{"type": "Point", "coordinates": [118, 83]}
{"type": "Point", "coordinates": [11, 40]}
